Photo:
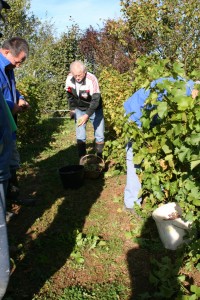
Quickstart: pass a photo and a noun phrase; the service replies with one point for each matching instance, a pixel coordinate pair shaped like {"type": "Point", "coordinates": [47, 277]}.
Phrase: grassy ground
{"type": "Point", "coordinates": [75, 243]}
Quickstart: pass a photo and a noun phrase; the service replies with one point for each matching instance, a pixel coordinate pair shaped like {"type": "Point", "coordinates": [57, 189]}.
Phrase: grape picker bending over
{"type": "Point", "coordinates": [85, 103]}
{"type": "Point", "coordinates": [134, 106]}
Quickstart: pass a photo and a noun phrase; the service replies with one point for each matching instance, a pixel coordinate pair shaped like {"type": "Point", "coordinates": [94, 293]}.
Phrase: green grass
{"type": "Point", "coordinates": [75, 244]}
{"type": "Point", "coordinates": [112, 291]}
{"type": "Point", "coordinates": [67, 231]}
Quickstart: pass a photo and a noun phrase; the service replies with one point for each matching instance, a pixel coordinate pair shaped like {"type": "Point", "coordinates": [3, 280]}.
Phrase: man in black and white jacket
{"type": "Point", "coordinates": [85, 103]}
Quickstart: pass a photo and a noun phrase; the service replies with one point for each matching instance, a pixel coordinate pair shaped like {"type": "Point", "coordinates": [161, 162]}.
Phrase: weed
{"type": "Point", "coordinates": [82, 242]}
{"type": "Point", "coordinates": [112, 291]}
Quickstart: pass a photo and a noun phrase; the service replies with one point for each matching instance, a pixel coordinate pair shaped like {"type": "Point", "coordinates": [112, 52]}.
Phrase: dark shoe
{"type": "Point", "coordinates": [25, 202]}
{"type": "Point", "coordinates": [99, 149]}
{"type": "Point", "coordinates": [12, 191]}
{"type": "Point", "coordinates": [81, 148]}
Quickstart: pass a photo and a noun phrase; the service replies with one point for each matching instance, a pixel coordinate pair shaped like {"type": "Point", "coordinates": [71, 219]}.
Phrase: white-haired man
{"type": "Point", "coordinates": [85, 103]}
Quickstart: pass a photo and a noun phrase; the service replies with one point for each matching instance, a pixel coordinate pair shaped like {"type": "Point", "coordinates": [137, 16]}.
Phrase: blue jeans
{"type": "Point", "coordinates": [133, 184]}
{"type": "Point", "coordinates": [4, 251]}
{"type": "Point", "coordinates": [97, 120]}
{"type": "Point", "coordinates": [15, 157]}
{"type": "Point", "coordinates": [3, 190]}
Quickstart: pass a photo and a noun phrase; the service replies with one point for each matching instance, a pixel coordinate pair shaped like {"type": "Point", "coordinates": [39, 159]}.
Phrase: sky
{"type": "Point", "coordinates": [65, 13]}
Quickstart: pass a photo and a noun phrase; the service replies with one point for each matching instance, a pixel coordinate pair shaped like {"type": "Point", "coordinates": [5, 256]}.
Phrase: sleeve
{"type": "Point", "coordinates": [94, 104]}
{"type": "Point", "coordinates": [135, 104]}
{"type": "Point", "coordinates": [189, 87]}
{"type": "Point", "coordinates": [95, 94]}
{"type": "Point", "coordinates": [5, 93]}
{"type": "Point", "coordinates": [18, 95]}
{"type": "Point", "coordinates": [70, 96]}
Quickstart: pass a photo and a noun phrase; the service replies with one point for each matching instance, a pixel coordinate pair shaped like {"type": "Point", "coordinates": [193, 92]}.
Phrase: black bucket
{"type": "Point", "coordinates": [72, 176]}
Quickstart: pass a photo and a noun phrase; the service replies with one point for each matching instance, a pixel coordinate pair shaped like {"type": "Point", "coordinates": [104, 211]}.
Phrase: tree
{"type": "Point", "coordinates": [169, 28]}
{"type": "Point", "coordinates": [113, 46]}
{"type": "Point", "coordinates": [64, 51]}
{"type": "Point", "coordinates": [18, 22]}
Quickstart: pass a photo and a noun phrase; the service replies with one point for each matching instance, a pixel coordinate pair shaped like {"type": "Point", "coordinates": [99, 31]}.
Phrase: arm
{"type": "Point", "coordinates": [23, 105]}
{"type": "Point", "coordinates": [96, 100]}
{"type": "Point", "coordinates": [95, 95]}
{"type": "Point", "coordinates": [70, 99]}
{"type": "Point", "coordinates": [70, 96]}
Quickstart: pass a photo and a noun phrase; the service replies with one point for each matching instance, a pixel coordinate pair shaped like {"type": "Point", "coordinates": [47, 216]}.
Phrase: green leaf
{"type": "Point", "coordinates": [197, 114]}
{"type": "Point", "coordinates": [162, 109]}
{"type": "Point", "coordinates": [184, 153]}
{"type": "Point", "coordinates": [173, 188]}
{"type": "Point", "coordinates": [166, 149]}
{"type": "Point", "coordinates": [138, 158]}
{"type": "Point", "coordinates": [184, 102]}
{"type": "Point", "coordinates": [194, 163]}
{"type": "Point", "coordinates": [128, 235]}
{"type": "Point", "coordinates": [195, 139]}
{"type": "Point", "coordinates": [80, 260]}
{"type": "Point", "coordinates": [170, 160]}
{"type": "Point", "coordinates": [181, 278]}
{"type": "Point", "coordinates": [145, 122]}
{"type": "Point", "coordinates": [179, 68]}
{"type": "Point", "coordinates": [195, 289]}
{"type": "Point", "coordinates": [102, 243]}
{"type": "Point", "coordinates": [196, 202]}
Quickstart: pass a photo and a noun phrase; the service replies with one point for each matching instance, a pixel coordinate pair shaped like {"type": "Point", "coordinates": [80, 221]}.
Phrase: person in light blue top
{"type": "Point", "coordinates": [134, 106]}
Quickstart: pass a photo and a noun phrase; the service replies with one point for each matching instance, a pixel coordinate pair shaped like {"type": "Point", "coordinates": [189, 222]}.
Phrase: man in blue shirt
{"type": "Point", "coordinates": [13, 53]}
{"type": "Point", "coordinates": [134, 106]}
{"type": "Point", "coordinates": [6, 126]}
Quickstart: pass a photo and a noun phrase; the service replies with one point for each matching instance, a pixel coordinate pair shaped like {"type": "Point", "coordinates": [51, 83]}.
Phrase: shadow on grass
{"type": "Point", "coordinates": [40, 253]}
{"type": "Point", "coordinates": [153, 269]}
{"type": "Point", "coordinates": [42, 137]}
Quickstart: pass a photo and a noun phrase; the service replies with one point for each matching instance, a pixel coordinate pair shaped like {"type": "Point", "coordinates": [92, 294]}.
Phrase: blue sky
{"type": "Point", "coordinates": [82, 12]}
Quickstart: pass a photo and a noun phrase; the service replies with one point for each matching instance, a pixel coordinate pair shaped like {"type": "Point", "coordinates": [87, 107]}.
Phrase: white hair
{"type": "Point", "coordinates": [77, 64]}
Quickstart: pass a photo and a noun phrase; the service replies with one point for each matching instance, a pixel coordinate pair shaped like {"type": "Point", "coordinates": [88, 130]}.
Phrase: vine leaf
{"type": "Point", "coordinates": [162, 109]}
{"type": "Point", "coordinates": [194, 163]}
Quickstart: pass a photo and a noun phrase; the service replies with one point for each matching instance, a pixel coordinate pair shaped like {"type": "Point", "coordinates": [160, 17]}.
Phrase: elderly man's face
{"type": "Point", "coordinates": [78, 74]}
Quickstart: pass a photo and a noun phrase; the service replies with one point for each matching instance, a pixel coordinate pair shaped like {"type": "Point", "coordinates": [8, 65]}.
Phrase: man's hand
{"type": "Point", "coordinates": [24, 105]}
{"type": "Point", "coordinates": [82, 120]}
{"type": "Point", "coordinates": [20, 107]}
{"type": "Point", "coordinates": [195, 93]}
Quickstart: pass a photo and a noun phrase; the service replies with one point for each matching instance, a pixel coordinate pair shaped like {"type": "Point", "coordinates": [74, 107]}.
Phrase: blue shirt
{"type": "Point", "coordinates": [5, 141]}
{"type": "Point", "coordinates": [136, 102]}
{"type": "Point", "coordinates": [7, 84]}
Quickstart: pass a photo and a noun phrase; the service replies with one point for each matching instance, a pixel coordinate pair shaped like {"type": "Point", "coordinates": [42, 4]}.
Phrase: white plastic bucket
{"type": "Point", "coordinates": [171, 227]}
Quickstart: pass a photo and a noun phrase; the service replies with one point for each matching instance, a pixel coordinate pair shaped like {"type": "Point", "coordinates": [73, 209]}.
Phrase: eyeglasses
{"type": "Point", "coordinates": [18, 62]}
{"type": "Point", "coordinates": [78, 75]}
